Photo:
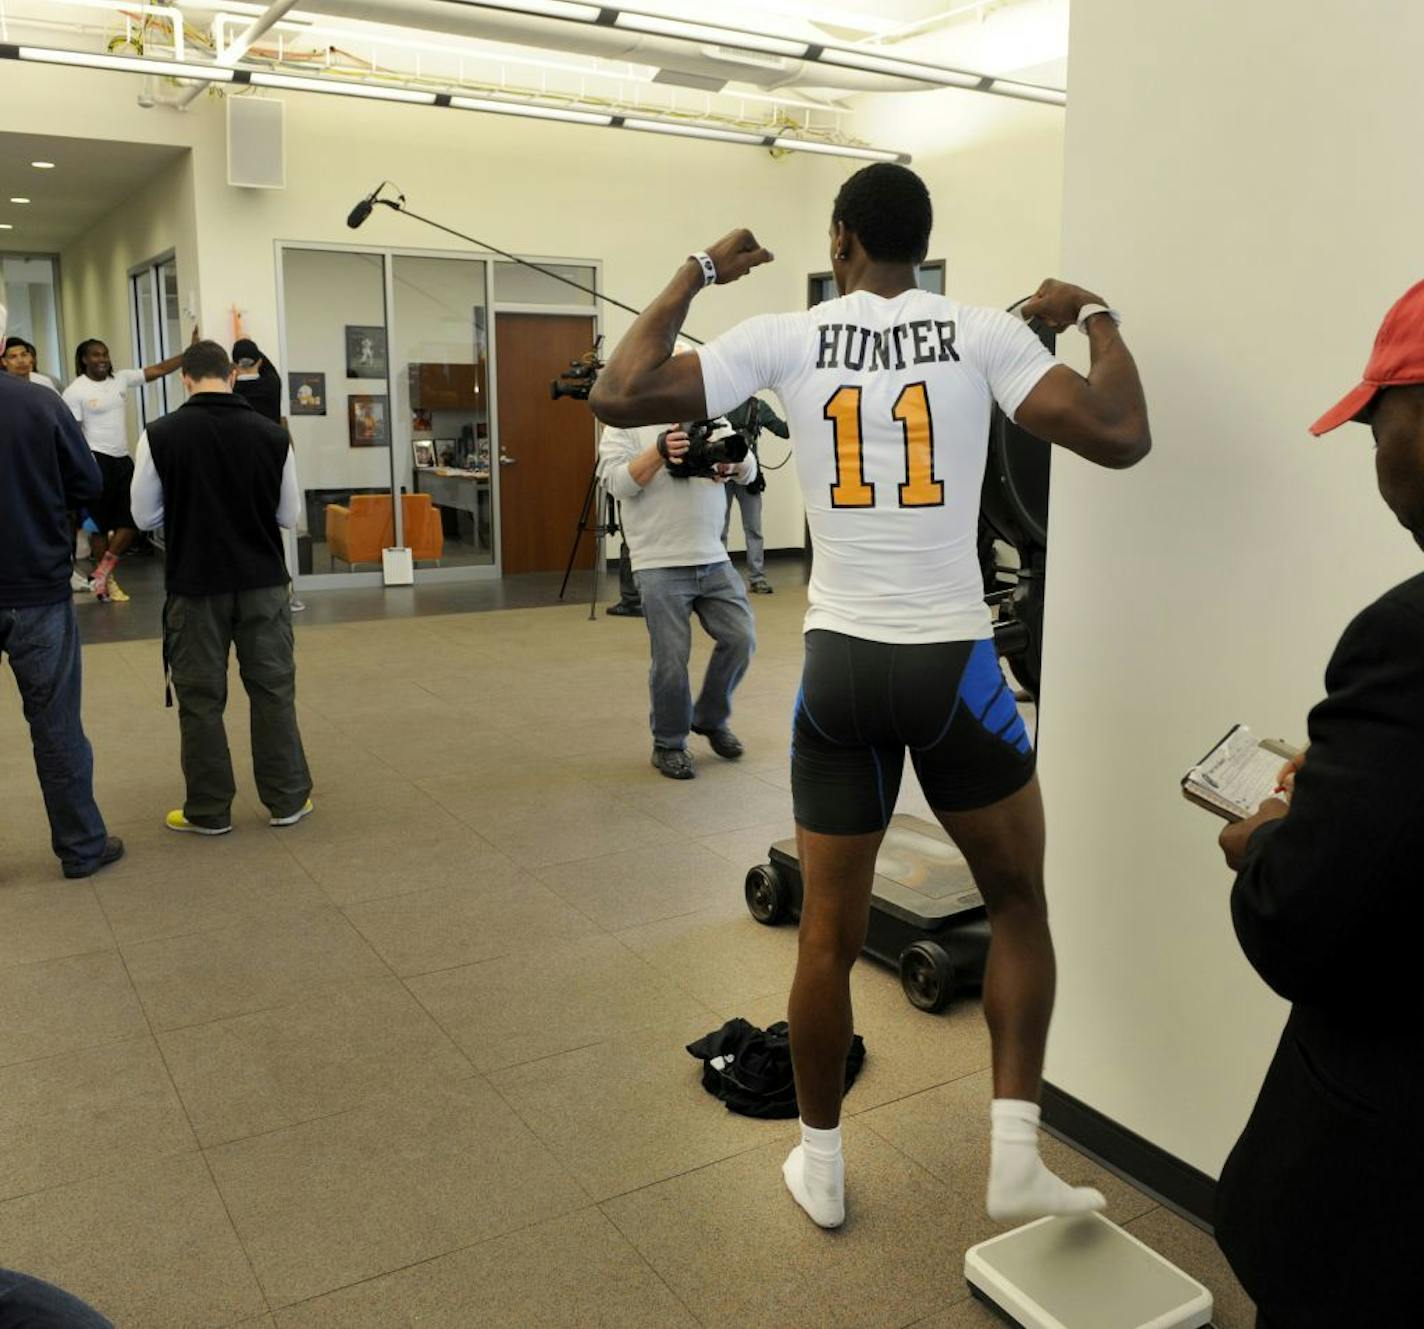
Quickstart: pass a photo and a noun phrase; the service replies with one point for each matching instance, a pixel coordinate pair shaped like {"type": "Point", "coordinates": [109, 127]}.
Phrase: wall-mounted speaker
{"type": "Point", "coordinates": [256, 143]}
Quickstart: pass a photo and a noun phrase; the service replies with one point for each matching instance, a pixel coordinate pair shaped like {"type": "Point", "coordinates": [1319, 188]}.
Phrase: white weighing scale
{"type": "Point", "coordinates": [1083, 1273]}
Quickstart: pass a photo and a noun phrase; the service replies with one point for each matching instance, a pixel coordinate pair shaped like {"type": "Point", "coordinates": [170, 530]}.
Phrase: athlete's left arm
{"type": "Point", "coordinates": [644, 383]}
{"type": "Point", "coordinates": [1102, 417]}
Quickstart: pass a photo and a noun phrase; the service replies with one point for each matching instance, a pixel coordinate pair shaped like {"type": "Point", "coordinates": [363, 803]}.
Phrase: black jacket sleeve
{"type": "Point", "coordinates": [768, 419]}
{"type": "Point", "coordinates": [1327, 905]}
{"type": "Point", "coordinates": [78, 470]}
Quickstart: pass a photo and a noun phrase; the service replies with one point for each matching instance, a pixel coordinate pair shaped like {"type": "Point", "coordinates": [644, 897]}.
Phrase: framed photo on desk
{"type": "Point", "coordinates": [424, 452]}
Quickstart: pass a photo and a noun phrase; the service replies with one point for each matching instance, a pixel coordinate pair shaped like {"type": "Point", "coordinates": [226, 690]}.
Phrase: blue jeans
{"type": "Point", "coordinates": [43, 646]}
{"type": "Point", "coordinates": [750, 504]}
{"type": "Point", "coordinates": [29, 1303]}
{"type": "Point", "coordinates": [671, 596]}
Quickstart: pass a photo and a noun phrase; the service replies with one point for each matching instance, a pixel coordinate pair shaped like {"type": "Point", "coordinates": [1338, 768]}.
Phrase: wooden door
{"type": "Point", "coordinates": [546, 447]}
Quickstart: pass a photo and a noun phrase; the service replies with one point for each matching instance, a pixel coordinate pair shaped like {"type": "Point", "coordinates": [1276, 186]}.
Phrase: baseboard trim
{"type": "Point", "coordinates": [1174, 1183]}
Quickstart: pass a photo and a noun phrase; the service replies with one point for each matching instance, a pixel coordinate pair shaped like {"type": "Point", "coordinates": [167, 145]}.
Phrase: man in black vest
{"type": "Point", "coordinates": [1318, 1205]}
{"type": "Point", "coordinates": [46, 469]}
{"type": "Point", "coordinates": [222, 479]}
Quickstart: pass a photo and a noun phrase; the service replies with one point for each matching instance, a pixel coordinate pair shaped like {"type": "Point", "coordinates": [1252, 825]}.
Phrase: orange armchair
{"type": "Point", "coordinates": [358, 534]}
{"type": "Point", "coordinates": [423, 530]}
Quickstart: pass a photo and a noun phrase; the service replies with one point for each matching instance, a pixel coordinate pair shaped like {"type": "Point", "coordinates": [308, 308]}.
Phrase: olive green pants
{"type": "Point", "coordinates": [198, 632]}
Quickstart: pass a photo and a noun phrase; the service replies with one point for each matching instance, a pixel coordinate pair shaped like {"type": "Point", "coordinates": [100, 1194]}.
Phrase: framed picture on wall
{"type": "Point", "coordinates": [307, 394]}
{"type": "Point", "coordinates": [368, 422]}
{"type": "Point", "coordinates": [424, 450]}
{"type": "Point", "coordinates": [365, 351]}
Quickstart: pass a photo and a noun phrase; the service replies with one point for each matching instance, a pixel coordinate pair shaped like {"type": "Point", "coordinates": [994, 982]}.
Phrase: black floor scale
{"type": "Point", "coordinates": [927, 918]}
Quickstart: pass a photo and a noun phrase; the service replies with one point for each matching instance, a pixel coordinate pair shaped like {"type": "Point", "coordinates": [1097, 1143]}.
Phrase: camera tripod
{"type": "Point", "coordinates": [598, 515]}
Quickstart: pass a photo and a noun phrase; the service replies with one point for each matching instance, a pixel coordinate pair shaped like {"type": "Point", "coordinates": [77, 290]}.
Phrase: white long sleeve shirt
{"type": "Point", "coordinates": [146, 491]}
{"type": "Point", "coordinates": [668, 523]}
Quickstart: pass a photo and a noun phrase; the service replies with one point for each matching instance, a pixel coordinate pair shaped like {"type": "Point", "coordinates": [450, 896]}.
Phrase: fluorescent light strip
{"type": "Point", "coordinates": [693, 131]}
{"type": "Point", "coordinates": [371, 91]}
{"type": "Point", "coordinates": [1029, 92]}
{"type": "Point", "coordinates": [531, 112]}
{"type": "Point", "coordinates": [839, 150]}
{"type": "Point", "coordinates": [125, 64]}
{"type": "Point", "coordinates": [876, 64]}
{"type": "Point", "coordinates": [543, 8]}
{"type": "Point", "coordinates": [701, 32]}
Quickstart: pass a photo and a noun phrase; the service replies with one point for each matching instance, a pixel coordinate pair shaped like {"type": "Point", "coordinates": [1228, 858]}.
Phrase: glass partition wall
{"type": "Point", "coordinates": [388, 359]}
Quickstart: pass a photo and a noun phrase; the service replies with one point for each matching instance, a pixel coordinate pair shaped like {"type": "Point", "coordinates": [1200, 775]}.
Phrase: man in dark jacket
{"type": "Point", "coordinates": [46, 469]}
{"type": "Point", "coordinates": [1318, 1205]}
{"type": "Point", "coordinates": [222, 479]}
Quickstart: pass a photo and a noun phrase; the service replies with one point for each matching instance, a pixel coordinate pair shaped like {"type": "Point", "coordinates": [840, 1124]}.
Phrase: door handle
{"type": "Point", "coordinates": [507, 461]}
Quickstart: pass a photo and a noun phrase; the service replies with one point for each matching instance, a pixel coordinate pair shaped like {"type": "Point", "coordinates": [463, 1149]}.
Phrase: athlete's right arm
{"type": "Point", "coordinates": [1103, 417]}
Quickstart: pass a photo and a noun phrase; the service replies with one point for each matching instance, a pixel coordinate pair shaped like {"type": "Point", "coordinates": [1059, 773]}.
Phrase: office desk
{"type": "Point", "coordinates": [464, 497]}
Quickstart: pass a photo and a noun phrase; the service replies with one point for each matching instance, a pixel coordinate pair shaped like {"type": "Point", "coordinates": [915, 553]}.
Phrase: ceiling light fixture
{"type": "Point", "coordinates": [840, 150]}
{"type": "Point", "coordinates": [532, 112]}
{"type": "Point", "coordinates": [19, 200]}
{"type": "Point", "coordinates": [893, 65]}
{"type": "Point", "coordinates": [370, 91]}
{"type": "Point", "coordinates": [46, 55]}
{"type": "Point", "coordinates": [575, 13]}
{"type": "Point", "coordinates": [43, 166]}
{"type": "Point", "coordinates": [5, 226]}
{"type": "Point", "coordinates": [695, 131]}
{"type": "Point", "coordinates": [709, 34]}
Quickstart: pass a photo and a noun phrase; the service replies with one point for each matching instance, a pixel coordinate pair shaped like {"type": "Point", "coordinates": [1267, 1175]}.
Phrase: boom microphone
{"type": "Point", "coordinates": [364, 208]}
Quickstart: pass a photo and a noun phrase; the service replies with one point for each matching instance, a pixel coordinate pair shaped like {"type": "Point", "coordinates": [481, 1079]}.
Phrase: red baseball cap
{"type": "Point", "coordinates": [1398, 358]}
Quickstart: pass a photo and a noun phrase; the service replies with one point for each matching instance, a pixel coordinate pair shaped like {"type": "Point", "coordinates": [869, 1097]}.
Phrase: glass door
{"type": "Point", "coordinates": [336, 369]}
{"type": "Point", "coordinates": [153, 309]}
{"type": "Point", "coordinates": [442, 425]}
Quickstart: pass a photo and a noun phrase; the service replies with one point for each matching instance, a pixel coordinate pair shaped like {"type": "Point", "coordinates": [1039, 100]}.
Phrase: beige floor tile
{"type": "Point", "coordinates": [730, 800]}
{"type": "Point", "coordinates": [217, 975]}
{"type": "Point", "coordinates": [49, 920]}
{"type": "Point", "coordinates": [315, 1058]}
{"type": "Point", "coordinates": [570, 1273]}
{"type": "Point", "coordinates": [514, 1010]}
{"type": "Point", "coordinates": [747, 847]}
{"type": "Point", "coordinates": [425, 931]}
{"type": "Point", "coordinates": [446, 750]}
{"type": "Point", "coordinates": [967, 1313]}
{"type": "Point", "coordinates": [540, 816]}
{"type": "Point", "coordinates": [721, 955]}
{"type": "Point", "coordinates": [907, 1050]}
{"type": "Point", "coordinates": [151, 1247]}
{"type": "Point", "coordinates": [1196, 1253]}
{"type": "Point", "coordinates": [417, 1175]}
{"type": "Point", "coordinates": [642, 885]}
{"type": "Point", "coordinates": [371, 864]}
{"type": "Point", "coordinates": [631, 1111]}
{"type": "Point", "coordinates": [118, 1105]}
{"type": "Point", "coordinates": [147, 908]}
{"type": "Point", "coordinates": [153, 850]}
{"type": "Point", "coordinates": [58, 1006]}
{"type": "Point", "coordinates": [731, 1242]}
{"type": "Point", "coordinates": [947, 1131]}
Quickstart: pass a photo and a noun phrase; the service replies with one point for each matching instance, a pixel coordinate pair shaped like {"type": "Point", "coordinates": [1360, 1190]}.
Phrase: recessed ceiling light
{"type": "Point", "coordinates": [43, 166]}
{"type": "Point", "coordinates": [19, 200]}
{"type": "Point", "coordinates": [5, 226]}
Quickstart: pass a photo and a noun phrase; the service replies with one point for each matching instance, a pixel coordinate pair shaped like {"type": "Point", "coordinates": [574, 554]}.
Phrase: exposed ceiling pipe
{"type": "Point", "coordinates": [276, 12]}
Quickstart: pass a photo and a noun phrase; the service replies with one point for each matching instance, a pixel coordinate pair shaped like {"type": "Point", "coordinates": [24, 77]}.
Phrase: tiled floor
{"type": "Point", "coordinates": [418, 1060]}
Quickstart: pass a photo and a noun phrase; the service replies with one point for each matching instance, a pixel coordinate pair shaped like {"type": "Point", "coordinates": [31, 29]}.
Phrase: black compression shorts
{"type": "Point", "coordinates": [862, 703]}
{"type": "Point", "coordinates": [111, 512]}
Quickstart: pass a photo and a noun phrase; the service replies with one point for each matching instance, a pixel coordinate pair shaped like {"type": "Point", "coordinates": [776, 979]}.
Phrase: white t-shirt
{"type": "Point", "coordinates": [101, 409]}
{"type": "Point", "coordinates": [889, 403]}
{"type": "Point", "coordinates": [43, 380]}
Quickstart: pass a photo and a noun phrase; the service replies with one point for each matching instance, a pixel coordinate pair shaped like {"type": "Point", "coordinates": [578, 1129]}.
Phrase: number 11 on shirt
{"type": "Point", "coordinates": [912, 410]}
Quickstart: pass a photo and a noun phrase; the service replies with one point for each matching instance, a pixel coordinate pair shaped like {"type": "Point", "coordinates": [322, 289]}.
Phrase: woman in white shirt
{"type": "Point", "coordinates": [99, 399]}
{"type": "Point", "coordinates": [19, 359]}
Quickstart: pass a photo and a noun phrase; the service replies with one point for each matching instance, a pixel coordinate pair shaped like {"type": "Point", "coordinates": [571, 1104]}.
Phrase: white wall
{"type": "Point", "coordinates": [1240, 180]}
{"type": "Point", "coordinates": [994, 168]}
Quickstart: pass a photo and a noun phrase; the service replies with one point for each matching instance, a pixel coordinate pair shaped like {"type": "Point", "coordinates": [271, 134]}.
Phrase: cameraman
{"type": "Point", "coordinates": [749, 419]}
{"type": "Point", "coordinates": [673, 529]}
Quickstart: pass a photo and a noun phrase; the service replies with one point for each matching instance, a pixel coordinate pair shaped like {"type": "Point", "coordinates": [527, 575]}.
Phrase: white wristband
{"type": "Point", "coordinates": [709, 268]}
{"type": "Point", "coordinates": [1087, 312]}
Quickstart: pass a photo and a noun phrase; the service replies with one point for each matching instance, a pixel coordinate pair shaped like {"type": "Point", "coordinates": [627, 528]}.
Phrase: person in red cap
{"type": "Point", "coordinates": [1318, 1207]}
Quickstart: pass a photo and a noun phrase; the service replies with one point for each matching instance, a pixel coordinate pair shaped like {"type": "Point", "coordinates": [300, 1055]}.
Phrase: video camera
{"type": "Point", "coordinates": [705, 453]}
{"type": "Point", "coordinates": [578, 379]}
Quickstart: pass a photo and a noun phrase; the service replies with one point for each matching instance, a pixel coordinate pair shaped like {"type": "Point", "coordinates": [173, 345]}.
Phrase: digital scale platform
{"type": "Point", "coordinates": [1083, 1273]}
{"type": "Point", "coordinates": [927, 917]}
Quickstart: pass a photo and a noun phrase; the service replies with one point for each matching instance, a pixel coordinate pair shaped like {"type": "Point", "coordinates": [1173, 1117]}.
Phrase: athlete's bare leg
{"type": "Point", "coordinates": [1003, 845]}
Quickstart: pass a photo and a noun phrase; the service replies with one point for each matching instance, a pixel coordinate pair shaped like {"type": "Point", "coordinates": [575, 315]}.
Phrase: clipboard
{"type": "Point", "coordinates": [1236, 774]}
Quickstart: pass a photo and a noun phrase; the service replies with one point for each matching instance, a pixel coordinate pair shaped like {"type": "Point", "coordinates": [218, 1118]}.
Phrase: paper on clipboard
{"type": "Point", "coordinates": [1237, 775]}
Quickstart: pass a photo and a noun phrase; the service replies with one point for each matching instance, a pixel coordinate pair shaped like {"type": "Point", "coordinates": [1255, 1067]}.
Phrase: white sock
{"type": "Point", "coordinates": [815, 1175]}
{"type": "Point", "coordinates": [1020, 1186]}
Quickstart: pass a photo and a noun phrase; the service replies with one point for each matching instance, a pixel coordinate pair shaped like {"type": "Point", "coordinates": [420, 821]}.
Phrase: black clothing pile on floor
{"type": "Point", "coordinates": [749, 1069]}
